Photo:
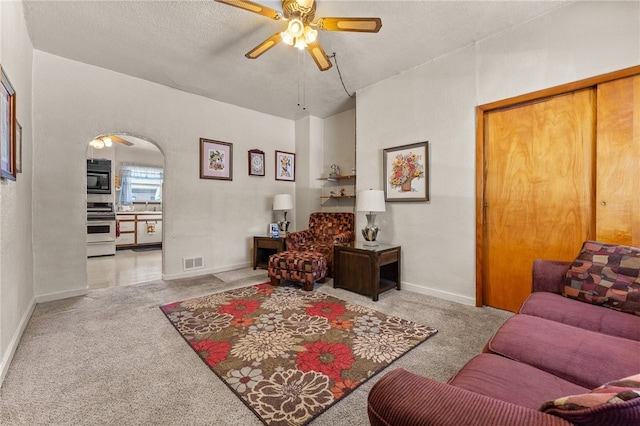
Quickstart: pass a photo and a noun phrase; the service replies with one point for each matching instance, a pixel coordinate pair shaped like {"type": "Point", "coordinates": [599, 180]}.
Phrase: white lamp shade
{"type": "Point", "coordinates": [282, 202]}
{"type": "Point", "coordinates": [371, 200]}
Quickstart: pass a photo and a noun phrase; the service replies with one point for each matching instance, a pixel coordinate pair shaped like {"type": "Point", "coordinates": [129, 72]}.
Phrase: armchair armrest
{"type": "Point", "coordinates": [404, 398]}
{"type": "Point", "coordinates": [548, 275]}
{"type": "Point", "coordinates": [343, 238]}
{"type": "Point", "coordinates": [295, 240]}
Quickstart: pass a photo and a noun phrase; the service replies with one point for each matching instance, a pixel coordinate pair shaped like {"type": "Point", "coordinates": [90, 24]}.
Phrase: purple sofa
{"type": "Point", "coordinates": [559, 361]}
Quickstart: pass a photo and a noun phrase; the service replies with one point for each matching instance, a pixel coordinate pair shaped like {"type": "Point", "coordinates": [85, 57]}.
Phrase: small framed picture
{"type": "Point", "coordinates": [406, 173]}
{"type": "Point", "coordinates": [256, 162]}
{"type": "Point", "coordinates": [216, 160]}
{"type": "Point", "coordinates": [274, 229]}
{"type": "Point", "coordinates": [285, 166]}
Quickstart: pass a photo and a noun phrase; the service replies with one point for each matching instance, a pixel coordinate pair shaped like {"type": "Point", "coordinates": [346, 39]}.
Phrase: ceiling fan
{"type": "Point", "coordinates": [102, 141]}
{"type": "Point", "coordinates": [301, 29]}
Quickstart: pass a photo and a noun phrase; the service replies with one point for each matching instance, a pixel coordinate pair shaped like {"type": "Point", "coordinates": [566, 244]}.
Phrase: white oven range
{"type": "Point", "coordinates": [101, 229]}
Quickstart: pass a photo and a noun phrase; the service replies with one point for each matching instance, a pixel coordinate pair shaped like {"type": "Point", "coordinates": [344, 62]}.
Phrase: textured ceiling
{"type": "Point", "coordinates": [199, 46]}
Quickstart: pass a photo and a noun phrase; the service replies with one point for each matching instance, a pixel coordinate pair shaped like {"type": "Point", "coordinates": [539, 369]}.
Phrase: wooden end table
{"type": "Point", "coordinates": [368, 270]}
{"type": "Point", "coordinates": [263, 247]}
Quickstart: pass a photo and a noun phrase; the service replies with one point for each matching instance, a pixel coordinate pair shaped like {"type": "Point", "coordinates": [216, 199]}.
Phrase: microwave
{"type": "Point", "coordinates": [98, 176]}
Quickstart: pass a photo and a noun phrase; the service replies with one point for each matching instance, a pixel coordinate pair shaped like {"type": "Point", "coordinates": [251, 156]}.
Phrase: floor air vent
{"type": "Point", "coordinates": [192, 263]}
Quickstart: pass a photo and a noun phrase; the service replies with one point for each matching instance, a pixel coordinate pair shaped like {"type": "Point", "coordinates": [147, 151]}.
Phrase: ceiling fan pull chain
{"type": "Point", "coordinates": [304, 82]}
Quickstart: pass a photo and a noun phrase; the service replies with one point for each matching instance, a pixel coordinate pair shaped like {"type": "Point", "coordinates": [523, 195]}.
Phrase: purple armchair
{"type": "Point", "coordinates": [325, 231]}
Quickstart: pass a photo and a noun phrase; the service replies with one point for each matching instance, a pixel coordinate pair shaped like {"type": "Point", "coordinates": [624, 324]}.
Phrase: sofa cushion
{"type": "Point", "coordinates": [590, 317]}
{"type": "Point", "coordinates": [616, 402]}
{"type": "Point", "coordinates": [511, 381]}
{"type": "Point", "coordinates": [606, 274]}
{"type": "Point", "coordinates": [583, 357]}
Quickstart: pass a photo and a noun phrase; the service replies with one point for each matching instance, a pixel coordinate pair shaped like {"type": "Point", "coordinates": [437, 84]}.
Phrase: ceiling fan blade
{"type": "Point", "coordinates": [318, 55]}
{"type": "Point", "coordinates": [120, 140]}
{"type": "Point", "coordinates": [362, 25]}
{"type": "Point", "coordinates": [264, 46]}
{"type": "Point", "coordinates": [253, 7]}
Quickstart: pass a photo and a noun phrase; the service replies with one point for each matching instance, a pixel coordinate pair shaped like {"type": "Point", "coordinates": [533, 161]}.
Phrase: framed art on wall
{"type": "Point", "coordinates": [285, 166]}
{"type": "Point", "coordinates": [216, 160]}
{"type": "Point", "coordinates": [7, 129]}
{"type": "Point", "coordinates": [406, 172]}
{"type": "Point", "coordinates": [256, 162]}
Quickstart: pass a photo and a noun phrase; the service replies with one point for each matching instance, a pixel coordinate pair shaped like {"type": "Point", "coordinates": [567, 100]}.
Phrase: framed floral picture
{"type": "Point", "coordinates": [285, 166]}
{"type": "Point", "coordinates": [256, 162]}
{"type": "Point", "coordinates": [406, 172]}
{"type": "Point", "coordinates": [216, 160]}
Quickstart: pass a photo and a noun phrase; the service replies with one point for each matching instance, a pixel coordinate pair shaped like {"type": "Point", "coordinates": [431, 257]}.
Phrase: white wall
{"type": "Point", "coordinates": [436, 102]}
{"type": "Point", "coordinates": [16, 260]}
{"type": "Point", "coordinates": [309, 151]}
{"type": "Point", "coordinates": [214, 219]}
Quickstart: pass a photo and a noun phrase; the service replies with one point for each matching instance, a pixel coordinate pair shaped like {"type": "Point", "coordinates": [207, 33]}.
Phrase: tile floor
{"type": "Point", "coordinates": [125, 268]}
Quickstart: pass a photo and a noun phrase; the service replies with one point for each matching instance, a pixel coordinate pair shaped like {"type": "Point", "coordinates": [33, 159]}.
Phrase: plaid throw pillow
{"type": "Point", "coordinates": [616, 402]}
{"type": "Point", "coordinates": [606, 274]}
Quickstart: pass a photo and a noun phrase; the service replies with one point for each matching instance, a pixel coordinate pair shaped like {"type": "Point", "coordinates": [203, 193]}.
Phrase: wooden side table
{"type": "Point", "coordinates": [263, 247]}
{"type": "Point", "coordinates": [368, 270]}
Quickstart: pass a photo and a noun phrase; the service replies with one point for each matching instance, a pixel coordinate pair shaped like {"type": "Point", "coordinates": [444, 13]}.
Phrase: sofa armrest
{"type": "Point", "coordinates": [296, 239]}
{"type": "Point", "coordinates": [548, 275]}
{"type": "Point", "coordinates": [404, 398]}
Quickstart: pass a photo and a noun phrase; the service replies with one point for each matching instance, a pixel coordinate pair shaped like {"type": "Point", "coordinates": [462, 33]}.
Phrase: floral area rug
{"type": "Point", "coordinates": [290, 354]}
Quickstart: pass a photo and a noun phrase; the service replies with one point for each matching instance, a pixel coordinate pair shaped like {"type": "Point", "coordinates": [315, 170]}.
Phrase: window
{"type": "Point", "coordinates": [140, 183]}
{"type": "Point", "coordinates": [146, 191]}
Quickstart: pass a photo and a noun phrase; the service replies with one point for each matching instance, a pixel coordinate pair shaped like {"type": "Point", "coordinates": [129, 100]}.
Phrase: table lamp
{"type": "Point", "coordinates": [283, 202]}
{"type": "Point", "coordinates": [371, 200]}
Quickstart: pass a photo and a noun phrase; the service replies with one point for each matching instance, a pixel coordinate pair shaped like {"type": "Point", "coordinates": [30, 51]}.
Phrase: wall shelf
{"type": "Point", "coordinates": [333, 187]}
{"type": "Point", "coordinates": [332, 178]}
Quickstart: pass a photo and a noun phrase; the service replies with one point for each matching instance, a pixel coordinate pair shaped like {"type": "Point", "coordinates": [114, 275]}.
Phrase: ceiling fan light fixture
{"type": "Point", "coordinates": [296, 27]}
{"type": "Point", "coordinates": [300, 44]}
{"type": "Point", "coordinates": [107, 141]}
{"type": "Point", "coordinates": [310, 35]}
{"type": "Point", "coordinates": [287, 38]}
{"type": "Point", "coordinates": [97, 144]}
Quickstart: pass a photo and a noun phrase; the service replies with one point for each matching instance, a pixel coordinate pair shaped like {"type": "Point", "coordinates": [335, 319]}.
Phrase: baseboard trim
{"type": "Point", "coordinates": [199, 272]}
{"type": "Point", "coordinates": [61, 295]}
{"type": "Point", "coordinates": [439, 294]}
{"type": "Point", "coordinates": [15, 340]}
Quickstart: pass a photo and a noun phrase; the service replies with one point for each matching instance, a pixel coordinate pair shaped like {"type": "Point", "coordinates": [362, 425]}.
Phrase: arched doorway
{"type": "Point", "coordinates": [132, 251]}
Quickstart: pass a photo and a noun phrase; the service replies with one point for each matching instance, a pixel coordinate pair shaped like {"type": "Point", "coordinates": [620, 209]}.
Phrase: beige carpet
{"type": "Point", "coordinates": [111, 357]}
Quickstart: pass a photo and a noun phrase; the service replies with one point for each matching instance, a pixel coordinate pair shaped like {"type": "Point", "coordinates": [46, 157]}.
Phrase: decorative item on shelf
{"type": "Point", "coordinates": [371, 200]}
{"type": "Point", "coordinates": [335, 172]}
{"type": "Point", "coordinates": [343, 192]}
{"type": "Point", "coordinates": [283, 202]}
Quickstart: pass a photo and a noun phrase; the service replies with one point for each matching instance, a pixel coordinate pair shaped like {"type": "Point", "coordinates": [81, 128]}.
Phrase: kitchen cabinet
{"type": "Point", "coordinates": [149, 229]}
{"type": "Point", "coordinates": [139, 229]}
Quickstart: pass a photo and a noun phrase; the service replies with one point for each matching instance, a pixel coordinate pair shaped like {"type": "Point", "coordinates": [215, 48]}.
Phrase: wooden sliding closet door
{"type": "Point", "coordinates": [618, 158]}
{"type": "Point", "coordinates": [538, 190]}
